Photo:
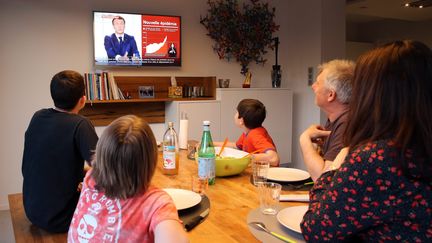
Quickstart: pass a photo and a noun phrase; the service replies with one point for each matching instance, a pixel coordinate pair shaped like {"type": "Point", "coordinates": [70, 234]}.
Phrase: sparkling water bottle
{"type": "Point", "coordinates": [206, 155]}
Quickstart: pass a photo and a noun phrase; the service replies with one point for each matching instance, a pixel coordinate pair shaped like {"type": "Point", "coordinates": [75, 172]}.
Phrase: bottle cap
{"type": "Point", "coordinates": [206, 123]}
{"type": "Point", "coordinates": [170, 124]}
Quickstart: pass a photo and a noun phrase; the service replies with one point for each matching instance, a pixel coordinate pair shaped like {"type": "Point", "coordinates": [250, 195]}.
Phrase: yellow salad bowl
{"type": "Point", "coordinates": [231, 162]}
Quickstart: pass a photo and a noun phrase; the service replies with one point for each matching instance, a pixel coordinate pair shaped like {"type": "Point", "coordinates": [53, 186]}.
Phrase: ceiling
{"type": "Point", "coordinates": [362, 11]}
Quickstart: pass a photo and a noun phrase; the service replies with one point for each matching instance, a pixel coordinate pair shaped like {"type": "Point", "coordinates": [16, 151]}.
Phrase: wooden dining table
{"type": "Point", "coordinates": [231, 199]}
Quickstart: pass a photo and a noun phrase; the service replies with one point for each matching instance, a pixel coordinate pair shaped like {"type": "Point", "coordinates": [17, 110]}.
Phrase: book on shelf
{"type": "Point", "coordinates": [113, 86]}
{"type": "Point", "coordinates": [101, 86]}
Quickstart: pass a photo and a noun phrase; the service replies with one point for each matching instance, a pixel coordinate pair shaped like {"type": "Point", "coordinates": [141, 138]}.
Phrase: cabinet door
{"type": "Point", "coordinates": [199, 111]}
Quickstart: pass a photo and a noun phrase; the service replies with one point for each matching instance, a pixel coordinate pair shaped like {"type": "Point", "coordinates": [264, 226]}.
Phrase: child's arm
{"type": "Point", "coordinates": [170, 231]}
{"type": "Point", "coordinates": [270, 155]}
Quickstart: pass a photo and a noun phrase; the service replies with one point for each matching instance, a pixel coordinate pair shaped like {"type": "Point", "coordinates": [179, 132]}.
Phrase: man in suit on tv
{"type": "Point", "coordinates": [119, 46]}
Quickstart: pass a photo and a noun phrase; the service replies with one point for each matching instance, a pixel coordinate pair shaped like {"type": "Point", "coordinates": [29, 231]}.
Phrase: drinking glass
{"type": "Point", "coordinates": [260, 170]}
{"type": "Point", "coordinates": [199, 184]}
{"type": "Point", "coordinates": [269, 193]}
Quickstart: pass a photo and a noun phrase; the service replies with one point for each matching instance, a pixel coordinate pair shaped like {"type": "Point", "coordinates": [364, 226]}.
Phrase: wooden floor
{"type": "Point", "coordinates": [6, 230]}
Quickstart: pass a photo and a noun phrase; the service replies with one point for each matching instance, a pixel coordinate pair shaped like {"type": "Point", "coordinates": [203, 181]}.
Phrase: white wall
{"type": "Point", "coordinates": [354, 49]}
{"type": "Point", "coordinates": [383, 31]}
{"type": "Point", "coordinates": [43, 37]}
{"type": "Point", "coordinates": [314, 32]}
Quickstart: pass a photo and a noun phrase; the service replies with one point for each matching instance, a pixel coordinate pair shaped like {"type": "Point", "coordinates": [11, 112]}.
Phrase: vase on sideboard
{"type": "Point", "coordinates": [276, 76]}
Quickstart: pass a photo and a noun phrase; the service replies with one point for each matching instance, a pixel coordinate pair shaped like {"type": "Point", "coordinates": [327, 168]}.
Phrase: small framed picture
{"type": "Point", "coordinates": [146, 92]}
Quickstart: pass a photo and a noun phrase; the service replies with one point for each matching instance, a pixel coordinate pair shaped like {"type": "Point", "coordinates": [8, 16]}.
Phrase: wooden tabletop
{"type": "Point", "coordinates": [231, 199]}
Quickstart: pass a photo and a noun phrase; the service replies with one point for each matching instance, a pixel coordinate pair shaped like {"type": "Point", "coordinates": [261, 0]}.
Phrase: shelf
{"type": "Point", "coordinates": [146, 100]}
{"type": "Point", "coordinates": [103, 112]}
{"type": "Point", "coordinates": [127, 101]}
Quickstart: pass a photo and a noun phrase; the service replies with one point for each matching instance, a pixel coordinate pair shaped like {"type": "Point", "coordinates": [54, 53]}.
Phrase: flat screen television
{"type": "Point", "coordinates": [128, 39]}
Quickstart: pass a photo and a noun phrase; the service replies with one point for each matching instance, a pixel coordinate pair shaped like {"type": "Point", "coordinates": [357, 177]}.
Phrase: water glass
{"type": "Point", "coordinates": [201, 91]}
{"type": "Point", "coordinates": [195, 91]}
{"type": "Point", "coordinates": [199, 184]}
{"type": "Point", "coordinates": [269, 193]}
{"type": "Point", "coordinates": [259, 171]}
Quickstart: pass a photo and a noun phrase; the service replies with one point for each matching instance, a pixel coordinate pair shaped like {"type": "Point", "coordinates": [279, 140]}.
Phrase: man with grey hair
{"type": "Point", "coordinates": [320, 145]}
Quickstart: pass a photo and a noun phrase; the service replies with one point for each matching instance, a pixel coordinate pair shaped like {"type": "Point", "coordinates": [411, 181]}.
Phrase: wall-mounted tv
{"type": "Point", "coordinates": [127, 39]}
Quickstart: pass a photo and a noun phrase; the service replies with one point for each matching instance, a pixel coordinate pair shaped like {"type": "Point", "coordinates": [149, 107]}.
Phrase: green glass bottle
{"type": "Point", "coordinates": [206, 155]}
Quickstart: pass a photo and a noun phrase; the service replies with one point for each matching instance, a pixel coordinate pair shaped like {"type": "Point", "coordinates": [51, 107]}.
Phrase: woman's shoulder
{"type": "Point", "coordinates": [373, 154]}
{"type": "Point", "coordinates": [381, 146]}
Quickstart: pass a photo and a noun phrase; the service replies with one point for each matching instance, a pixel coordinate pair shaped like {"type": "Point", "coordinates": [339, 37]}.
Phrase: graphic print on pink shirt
{"type": "Point", "coordinates": [97, 207]}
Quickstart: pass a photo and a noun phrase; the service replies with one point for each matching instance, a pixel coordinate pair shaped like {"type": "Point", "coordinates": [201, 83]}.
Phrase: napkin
{"type": "Point", "coordinates": [294, 198]}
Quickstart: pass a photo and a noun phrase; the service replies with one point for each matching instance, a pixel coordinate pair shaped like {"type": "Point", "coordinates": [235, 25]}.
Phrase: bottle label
{"type": "Point", "coordinates": [206, 168]}
{"type": "Point", "coordinates": [169, 148]}
{"type": "Point", "coordinates": [169, 160]}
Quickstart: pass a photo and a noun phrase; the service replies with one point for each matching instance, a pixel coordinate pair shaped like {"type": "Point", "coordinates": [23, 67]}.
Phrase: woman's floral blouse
{"type": "Point", "coordinates": [369, 199]}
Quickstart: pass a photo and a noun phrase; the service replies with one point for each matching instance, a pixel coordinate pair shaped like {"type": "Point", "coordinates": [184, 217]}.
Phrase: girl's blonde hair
{"type": "Point", "coordinates": [125, 159]}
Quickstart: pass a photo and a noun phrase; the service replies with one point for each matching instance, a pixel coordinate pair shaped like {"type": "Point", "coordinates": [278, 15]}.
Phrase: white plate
{"type": "Point", "coordinates": [183, 198]}
{"type": "Point", "coordinates": [291, 217]}
{"type": "Point", "coordinates": [287, 174]}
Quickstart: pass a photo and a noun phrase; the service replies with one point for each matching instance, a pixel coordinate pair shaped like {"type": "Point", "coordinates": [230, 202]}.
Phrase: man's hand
{"type": "Point", "coordinates": [124, 58]}
{"type": "Point", "coordinates": [135, 58]}
{"type": "Point", "coordinates": [315, 133]}
{"type": "Point", "coordinates": [311, 155]}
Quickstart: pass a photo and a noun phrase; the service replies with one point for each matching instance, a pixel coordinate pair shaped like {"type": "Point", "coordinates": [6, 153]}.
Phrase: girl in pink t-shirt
{"type": "Point", "coordinates": [117, 203]}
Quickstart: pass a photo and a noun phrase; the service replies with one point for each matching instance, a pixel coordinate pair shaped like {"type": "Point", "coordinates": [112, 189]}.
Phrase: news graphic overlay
{"type": "Point", "coordinates": [161, 40]}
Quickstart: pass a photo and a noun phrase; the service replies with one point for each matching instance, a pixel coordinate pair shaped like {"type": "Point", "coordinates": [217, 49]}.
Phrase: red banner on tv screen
{"type": "Point", "coordinates": [160, 39]}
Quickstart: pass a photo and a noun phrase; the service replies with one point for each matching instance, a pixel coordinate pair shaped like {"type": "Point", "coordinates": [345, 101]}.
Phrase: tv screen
{"type": "Point", "coordinates": [126, 39]}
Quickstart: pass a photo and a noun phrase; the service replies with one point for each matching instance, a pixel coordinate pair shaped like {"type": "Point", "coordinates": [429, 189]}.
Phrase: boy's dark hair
{"type": "Point", "coordinates": [67, 87]}
{"type": "Point", "coordinates": [126, 157]}
{"type": "Point", "coordinates": [252, 111]}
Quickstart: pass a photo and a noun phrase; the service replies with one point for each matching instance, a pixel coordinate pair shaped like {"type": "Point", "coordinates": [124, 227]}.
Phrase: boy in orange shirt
{"type": "Point", "coordinates": [250, 115]}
